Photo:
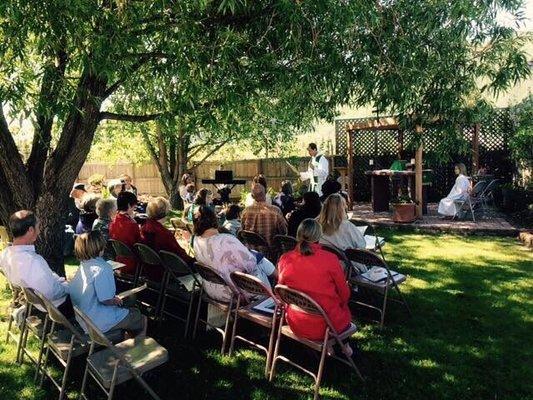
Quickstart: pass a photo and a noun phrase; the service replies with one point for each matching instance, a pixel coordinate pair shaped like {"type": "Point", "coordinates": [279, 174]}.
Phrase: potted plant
{"type": "Point", "coordinates": [403, 209]}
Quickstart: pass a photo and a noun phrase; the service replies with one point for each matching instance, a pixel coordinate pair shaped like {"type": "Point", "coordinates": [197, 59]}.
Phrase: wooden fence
{"type": "Point", "coordinates": [148, 181]}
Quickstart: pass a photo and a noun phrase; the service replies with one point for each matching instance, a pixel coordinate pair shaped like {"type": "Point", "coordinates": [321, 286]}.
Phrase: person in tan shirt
{"type": "Point", "coordinates": [261, 218]}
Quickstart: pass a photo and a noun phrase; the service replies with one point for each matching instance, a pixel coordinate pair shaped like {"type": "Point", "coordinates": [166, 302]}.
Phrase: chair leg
{"type": "Point", "coordinates": [276, 349]}
{"type": "Point", "coordinates": [85, 373]}
{"type": "Point", "coordinates": [402, 298]}
{"type": "Point", "coordinates": [384, 309]}
{"type": "Point", "coordinates": [226, 326]}
{"type": "Point", "coordinates": [234, 330]}
{"type": "Point", "coordinates": [41, 349]}
{"type": "Point", "coordinates": [45, 363]}
{"type": "Point", "coordinates": [113, 381]}
{"type": "Point", "coordinates": [321, 365]}
{"type": "Point", "coordinates": [9, 325]}
{"type": "Point", "coordinates": [66, 371]}
{"type": "Point", "coordinates": [270, 346]}
{"type": "Point", "coordinates": [197, 312]}
{"type": "Point", "coordinates": [189, 313]}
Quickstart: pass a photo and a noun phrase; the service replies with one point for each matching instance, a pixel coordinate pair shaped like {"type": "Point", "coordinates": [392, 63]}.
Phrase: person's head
{"type": "Point", "coordinates": [204, 197]}
{"type": "Point", "coordinates": [126, 202]}
{"type": "Point", "coordinates": [261, 180]}
{"type": "Point", "coordinates": [190, 188]}
{"type": "Point", "coordinates": [286, 188]}
{"type": "Point", "coordinates": [127, 180]}
{"type": "Point", "coordinates": [89, 245]}
{"type": "Point", "coordinates": [116, 186]}
{"type": "Point", "coordinates": [24, 227]}
{"type": "Point", "coordinates": [258, 192]}
{"type": "Point", "coordinates": [186, 179]}
{"type": "Point", "coordinates": [78, 190]}
{"type": "Point", "coordinates": [332, 214]}
{"type": "Point", "coordinates": [460, 168]}
{"type": "Point", "coordinates": [204, 219]}
{"type": "Point", "coordinates": [311, 201]}
{"type": "Point", "coordinates": [308, 232]}
{"type": "Point", "coordinates": [106, 208]}
{"type": "Point", "coordinates": [233, 211]}
{"type": "Point", "coordinates": [312, 149]}
{"type": "Point", "coordinates": [96, 182]}
{"type": "Point", "coordinates": [88, 202]}
{"type": "Point", "coordinates": [158, 208]}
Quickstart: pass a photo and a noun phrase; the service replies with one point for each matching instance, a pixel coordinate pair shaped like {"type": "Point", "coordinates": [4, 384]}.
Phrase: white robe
{"type": "Point", "coordinates": [459, 192]}
{"type": "Point", "coordinates": [320, 171]}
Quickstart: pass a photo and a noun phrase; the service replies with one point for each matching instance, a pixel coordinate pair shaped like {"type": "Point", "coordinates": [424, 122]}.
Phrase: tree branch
{"type": "Point", "coordinates": [196, 164]}
{"type": "Point", "coordinates": [128, 117]}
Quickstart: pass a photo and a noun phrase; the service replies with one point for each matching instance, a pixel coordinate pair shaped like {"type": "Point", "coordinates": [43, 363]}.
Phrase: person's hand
{"type": "Point", "coordinates": [117, 301]}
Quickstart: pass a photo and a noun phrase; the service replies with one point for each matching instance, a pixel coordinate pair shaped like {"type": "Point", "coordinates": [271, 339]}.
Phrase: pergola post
{"type": "Point", "coordinates": [349, 131]}
{"type": "Point", "coordinates": [418, 176]}
{"type": "Point", "coordinates": [475, 149]}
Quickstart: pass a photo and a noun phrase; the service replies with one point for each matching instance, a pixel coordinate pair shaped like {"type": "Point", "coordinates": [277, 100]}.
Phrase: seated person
{"type": "Point", "coordinates": [233, 222]}
{"type": "Point", "coordinates": [318, 273]}
{"type": "Point", "coordinates": [337, 231]}
{"type": "Point", "coordinates": [190, 193]}
{"type": "Point", "coordinates": [87, 213]}
{"type": "Point", "coordinates": [106, 209]}
{"type": "Point", "coordinates": [204, 197]}
{"type": "Point", "coordinates": [23, 267]}
{"type": "Point", "coordinates": [125, 229]}
{"type": "Point", "coordinates": [186, 180]}
{"type": "Point", "coordinates": [93, 289]}
{"type": "Point", "coordinates": [128, 184]}
{"type": "Point", "coordinates": [310, 208]}
{"type": "Point", "coordinates": [262, 181]}
{"type": "Point", "coordinates": [330, 186]}
{"type": "Point", "coordinates": [261, 218]}
{"type": "Point", "coordinates": [115, 186]}
{"type": "Point", "coordinates": [75, 204]}
{"type": "Point", "coordinates": [285, 199]}
{"type": "Point", "coordinates": [459, 192]}
{"type": "Point", "coordinates": [157, 237]}
{"type": "Point", "coordinates": [225, 253]}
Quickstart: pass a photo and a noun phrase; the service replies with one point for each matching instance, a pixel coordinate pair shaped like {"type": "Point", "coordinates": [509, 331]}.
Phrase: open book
{"type": "Point", "coordinates": [131, 292]}
{"type": "Point", "coordinates": [266, 306]}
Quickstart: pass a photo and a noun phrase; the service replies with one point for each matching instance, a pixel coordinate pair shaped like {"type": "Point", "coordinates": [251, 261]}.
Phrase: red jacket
{"type": "Point", "coordinates": [320, 276]}
{"type": "Point", "coordinates": [125, 229]}
{"type": "Point", "coordinates": [158, 238]}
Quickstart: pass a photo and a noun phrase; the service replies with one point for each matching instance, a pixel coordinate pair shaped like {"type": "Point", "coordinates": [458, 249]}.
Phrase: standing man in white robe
{"type": "Point", "coordinates": [459, 192]}
{"type": "Point", "coordinates": [317, 169]}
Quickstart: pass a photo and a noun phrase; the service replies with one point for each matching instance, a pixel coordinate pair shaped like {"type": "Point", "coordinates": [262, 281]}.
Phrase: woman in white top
{"type": "Point", "coordinates": [225, 253]}
{"type": "Point", "coordinates": [336, 229]}
{"type": "Point", "coordinates": [459, 192]}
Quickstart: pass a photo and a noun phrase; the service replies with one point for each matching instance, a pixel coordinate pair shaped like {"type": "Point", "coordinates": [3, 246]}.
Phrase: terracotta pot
{"type": "Point", "coordinates": [403, 212]}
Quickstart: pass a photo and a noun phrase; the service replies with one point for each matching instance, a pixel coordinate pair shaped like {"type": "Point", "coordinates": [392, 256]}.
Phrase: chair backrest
{"type": "Point", "coordinates": [284, 243]}
{"type": "Point", "coordinates": [32, 298]}
{"type": "Point", "coordinates": [209, 274]}
{"type": "Point", "coordinates": [147, 255]}
{"type": "Point", "coordinates": [365, 257]}
{"type": "Point", "coordinates": [250, 238]}
{"type": "Point", "coordinates": [346, 265]}
{"type": "Point", "coordinates": [58, 317]}
{"type": "Point", "coordinates": [491, 186]}
{"type": "Point", "coordinates": [298, 299]}
{"type": "Point", "coordinates": [479, 188]}
{"type": "Point", "coordinates": [370, 230]}
{"type": "Point", "coordinates": [121, 249]}
{"type": "Point", "coordinates": [95, 334]}
{"type": "Point", "coordinates": [175, 264]}
{"type": "Point", "coordinates": [250, 284]}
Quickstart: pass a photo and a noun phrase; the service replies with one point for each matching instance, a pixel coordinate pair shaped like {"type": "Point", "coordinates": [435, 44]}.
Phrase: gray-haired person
{"type": "Point", "coordinates": [106, 210]}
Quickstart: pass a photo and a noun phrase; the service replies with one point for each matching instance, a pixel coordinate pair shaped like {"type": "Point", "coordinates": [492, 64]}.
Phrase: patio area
{"type": "Point", "coordinates": [492, 224]}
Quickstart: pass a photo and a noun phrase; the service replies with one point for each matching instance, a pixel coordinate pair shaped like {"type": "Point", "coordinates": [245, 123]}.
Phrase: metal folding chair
{"type": "Point", "coordinates": [256, 242]}
{"type": "Point", "coordinates": [16, 305]}
{"type": "Point", "coordinates": [253, 286]}
{"type": "Point", "coordinates": [383, 287]}
{"type": "Point", "coordinates": [208, 274]}
{"type": "Point", "coordinates": [371, 231]}
{"type": "Point", "coordinates": [36, 326]}
{"type": "Point", "coordinates": [346, 264]}
{"type": "Point", "coordinates": [284, 244]}
{"type": "Point", "coordinates": [122, 250]}
{"type": "Point", "coordinates": [119, 363]}
{"type": "Point", "coordinates": [304, 303]}
{"type": "Point", "coordinates": [472, 201]}
{"type": "Point", "coordinates": [181, 282]}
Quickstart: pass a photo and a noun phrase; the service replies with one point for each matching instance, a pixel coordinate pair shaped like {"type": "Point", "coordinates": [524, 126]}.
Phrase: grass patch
{"type": "Point", "coordinates": [469, 337]}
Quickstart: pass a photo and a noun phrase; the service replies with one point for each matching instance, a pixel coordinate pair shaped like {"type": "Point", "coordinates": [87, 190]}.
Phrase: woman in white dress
{"type": "Point", "coordinates": [459, 192]}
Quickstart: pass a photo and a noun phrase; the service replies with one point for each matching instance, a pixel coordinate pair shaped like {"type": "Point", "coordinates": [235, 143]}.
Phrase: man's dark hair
{"type": "Point", "coordinates": [312, 146]}
{"type": "Point", "coordinates": [126, 200]}
{"type": "Point", "coordinates": [21, 221]}
{"type": "Point", "coordinates": [233, 212]}
{"type": "Point", "coordinates": [204, 220]}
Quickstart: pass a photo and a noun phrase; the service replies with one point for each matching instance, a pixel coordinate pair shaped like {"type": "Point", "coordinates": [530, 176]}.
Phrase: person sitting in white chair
{"type": "Point", "coordinates": [459, 193]}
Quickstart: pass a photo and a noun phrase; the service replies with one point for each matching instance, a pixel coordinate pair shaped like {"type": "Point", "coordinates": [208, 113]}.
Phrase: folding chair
{"type": "Point", "coordinates": [122, 250]}
{"type": "Point", "coordinates": [36, 326]}
{"type": "Point", "coordinates": [150, 258]}
{"type": "Point", "coordinates": [119, 363]}
{"type": "Point", "coordinates": [178, 271]}
{"type": "Point", "coordinates": [251, 285]}
{"type": "Point", "coordinates": [383, 287]}
{"type": "Point", "coordinates": [304, 303]}
{"type": "Point", "coordinates": [256, 242]}
{"type": "Point", "coordinates": [371, 235]}
{"type": "Point", "coordinates": [346, 264]}
{"type": "Point", "coordinates": [487, 195]}
{"type": "Point", "coordinates": [209, 275]}
{"type": "Point", "coordinates": [16, 307]}
{"type": "Point", "coordinates": [284, 244]}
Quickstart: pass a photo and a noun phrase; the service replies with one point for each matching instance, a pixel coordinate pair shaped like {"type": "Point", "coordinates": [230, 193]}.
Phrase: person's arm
{"type": "Point", "coordinates": [282, 224]}
{"type": "Point", "coordinates": [337, 274]}
{"type": "Point", "coordinates": [357, 237]}
{"type": "Point", "coordinates": [104, 286]}
{"type": "Point", "coordinates": [174, 247]}
{"type": "Point", "coordinates": [45, 281]}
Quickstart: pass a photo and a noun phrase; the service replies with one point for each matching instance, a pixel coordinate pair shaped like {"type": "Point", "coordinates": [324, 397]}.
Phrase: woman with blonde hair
{"type": "Point", "coordinates": [337, 231]}
{"type": "Point", "coordinates": [93, 289]}
{"type": "Point", "coordinates": [459, 192]}
{"type": "Point", "coordinates": [318, 273]}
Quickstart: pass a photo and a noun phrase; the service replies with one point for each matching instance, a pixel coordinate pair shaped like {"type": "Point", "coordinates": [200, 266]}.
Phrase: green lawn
{"type": "Point", "coordinates": [469, 337]}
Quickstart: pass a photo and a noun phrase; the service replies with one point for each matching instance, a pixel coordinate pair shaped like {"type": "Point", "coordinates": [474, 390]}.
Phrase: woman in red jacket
{"type": "Point", "coordinates": [125, 229]}
{"type": "Point", "coordinates": [157, 237]}
{"type": "Point", "coordinates": [317, 273]}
